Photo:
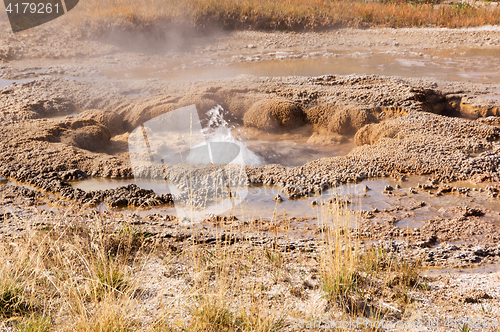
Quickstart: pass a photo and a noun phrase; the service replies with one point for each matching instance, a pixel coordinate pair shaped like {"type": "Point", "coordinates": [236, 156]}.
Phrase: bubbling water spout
{"type": "Point", "coordinates": [219, 130]}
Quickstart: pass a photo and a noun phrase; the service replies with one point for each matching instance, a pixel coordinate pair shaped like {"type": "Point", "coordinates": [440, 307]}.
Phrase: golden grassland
{"type": "Point", "coordinates": [287, 14]}
{"type": "Point", "coordinates": [81, 274]}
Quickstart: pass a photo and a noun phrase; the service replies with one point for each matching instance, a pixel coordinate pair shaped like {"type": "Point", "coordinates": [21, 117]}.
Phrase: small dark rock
{"type": "Point", "coordinates": [5, 216]}
{"type": "Point", "coordinates": [278, 198]}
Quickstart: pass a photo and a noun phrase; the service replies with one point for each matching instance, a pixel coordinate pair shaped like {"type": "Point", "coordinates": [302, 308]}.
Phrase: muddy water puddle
{"type": "Point", "coordinates": [4, 83]}
{"type": "Point", "coordinates": [411, 210]}
{"type": "Point", "coordinates": [291, 154]}
{"type": "Point", "coordinates": [93, 184]}
{"type": "Point", "coordinates": [414, 222]}
{"type": "Point", "coordinates": [458, 65]}
{"type": "Point", "coordinates": [307, 214]}
{"type": "Point", "coordinates": [489, 268]}
{"type": "Point", "coordinates": [290, 149]}
{"type": "Point", "coordinates": [61, 116]}
{"type": "Point", "coordinates": [28, 74]}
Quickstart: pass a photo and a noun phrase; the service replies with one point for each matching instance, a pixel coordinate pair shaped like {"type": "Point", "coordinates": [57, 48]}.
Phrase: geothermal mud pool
{"type": "Point", "coordinates": [69, 120]}
{"type": "Point", "coordinates": [413, 156]}
{"type": "Point", "coordinates": [400, 127]}
{"type": "Point", "coordinates": [462, 64]}
{"type": "Point", "coordinates": [407, 206]}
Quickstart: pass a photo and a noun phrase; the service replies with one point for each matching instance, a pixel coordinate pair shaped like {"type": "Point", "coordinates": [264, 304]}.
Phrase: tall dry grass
{"type": "Point", "coordinates": [339, 257]}
{"type": "Point", "coordinates": [90, 272]}
{"type": "Point", "coordinates": [285, 15]}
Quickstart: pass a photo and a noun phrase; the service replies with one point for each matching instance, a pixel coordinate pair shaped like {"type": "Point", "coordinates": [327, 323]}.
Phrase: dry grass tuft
{"type": "Point", "coordinates": [34, 324]}
{"type": "Point", "coordinates": [89, 272]}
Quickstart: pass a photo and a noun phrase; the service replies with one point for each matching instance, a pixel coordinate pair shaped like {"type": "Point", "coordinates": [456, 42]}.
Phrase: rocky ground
{"type": "Point", "coordinates": [446, 130]}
